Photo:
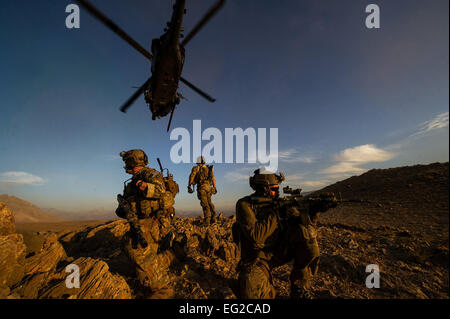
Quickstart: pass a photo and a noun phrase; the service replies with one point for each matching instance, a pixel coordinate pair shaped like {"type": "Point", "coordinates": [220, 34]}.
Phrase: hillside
{"type": "Point", "coordinates": [401, 228]}
{"type": "Point", "coordinates": [418, 187]}
{"type": "Point", "coordinates": [25, 212]}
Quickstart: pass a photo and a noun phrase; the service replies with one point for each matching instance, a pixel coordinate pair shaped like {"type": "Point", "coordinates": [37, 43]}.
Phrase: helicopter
{"type": "Point", "coordinates": [167, 59]}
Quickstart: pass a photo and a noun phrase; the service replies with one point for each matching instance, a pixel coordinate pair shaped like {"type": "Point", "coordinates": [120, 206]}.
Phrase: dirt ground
{"type": "Point", "coordinates": [410, 249]}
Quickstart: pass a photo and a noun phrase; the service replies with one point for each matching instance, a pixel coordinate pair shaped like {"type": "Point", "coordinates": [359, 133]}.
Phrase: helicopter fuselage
{"type": "Point", "coordinates": [167, 57]}
{"type": "Point", "coordinates": [167, 64]}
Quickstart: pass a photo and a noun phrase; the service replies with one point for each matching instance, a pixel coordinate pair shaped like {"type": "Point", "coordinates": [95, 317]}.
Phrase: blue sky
{"type": "Point", "coordinates": [344, 98]}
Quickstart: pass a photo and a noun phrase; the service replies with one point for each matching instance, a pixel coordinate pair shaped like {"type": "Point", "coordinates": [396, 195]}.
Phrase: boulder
{"type": "Point", "coordinates": [7, 223]}
{"type": "Point", "coordinates": [12, 255]}
{"type": "Point", "coordinates": [100, 241]}
{"type": "Point", "coordinates": [47, 259]}
{"type": "Point", "coordinates": [96, 282]}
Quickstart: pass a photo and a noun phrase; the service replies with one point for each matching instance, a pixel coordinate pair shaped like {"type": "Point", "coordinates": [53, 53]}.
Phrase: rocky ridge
{"type": "Point", "coordinates": [408, 244]}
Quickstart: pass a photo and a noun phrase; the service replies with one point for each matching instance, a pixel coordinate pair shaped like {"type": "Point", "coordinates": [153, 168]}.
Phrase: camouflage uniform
{"type": "Point", "coordinates": [155, 202]}
{"type": "Point", "coordinates": [148, 215]}
{"type": "Point", "coordinates": [267, 242]}
{"type": "Point", "coordinates": [203, 177]}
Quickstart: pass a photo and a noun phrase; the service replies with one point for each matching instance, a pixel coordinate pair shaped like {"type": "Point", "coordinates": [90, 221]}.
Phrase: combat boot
{"type": "Point", "coordinates": [300, 292]}
{"type": "Point", "coordinates": [300, 283]}
{"type": "Point", "coordinates": [162, 293]}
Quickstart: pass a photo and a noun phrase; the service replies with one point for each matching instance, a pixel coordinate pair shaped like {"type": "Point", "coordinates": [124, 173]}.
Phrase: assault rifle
{"type": "Point", "coordinates": [311, 204]}
{"type": "Point", "coordinates": [136, 232]}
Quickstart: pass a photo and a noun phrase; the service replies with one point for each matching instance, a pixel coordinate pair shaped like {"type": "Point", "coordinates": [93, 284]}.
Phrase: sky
{"type": "Point", "coordinates": [344, 98]}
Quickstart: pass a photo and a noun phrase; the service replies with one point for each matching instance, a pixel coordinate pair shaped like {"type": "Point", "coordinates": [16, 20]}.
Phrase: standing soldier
{"type": "Point", "coordinates": [203, 176]}
{"type": "Point", "coordinates": [147, 206]}
{"type": "Point", "coordinates": [266, 242]}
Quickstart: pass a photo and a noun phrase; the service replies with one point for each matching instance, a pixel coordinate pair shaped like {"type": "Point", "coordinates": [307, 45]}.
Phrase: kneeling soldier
{"type": "Point", "coordinates": [267, 242]}
{"type": "Point", "coordinates": [147, 206]}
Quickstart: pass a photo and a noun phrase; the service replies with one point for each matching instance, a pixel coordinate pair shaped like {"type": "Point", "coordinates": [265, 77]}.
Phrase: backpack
{"type": "Point", "coordinates": [171, 185]}
{"type": "Point", "coordinates": [204, 174]}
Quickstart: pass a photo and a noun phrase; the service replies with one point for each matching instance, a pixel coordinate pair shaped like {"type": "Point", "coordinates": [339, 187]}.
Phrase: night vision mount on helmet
{"type": "Point", "coordinates": [263, 179]}
{"type": "Point", "coordinates": [133, 158]}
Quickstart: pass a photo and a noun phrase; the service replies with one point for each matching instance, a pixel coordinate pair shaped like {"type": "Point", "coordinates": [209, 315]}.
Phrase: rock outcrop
{"type": "Point", "coordinates": [12, 257]}
{"type": "Point", "coordinates": [7, 222]}
{"type": "Point", "coordinates": [43, 274]}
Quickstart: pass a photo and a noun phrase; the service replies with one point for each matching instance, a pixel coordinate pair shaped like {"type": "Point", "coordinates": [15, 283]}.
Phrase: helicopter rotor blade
{"type": "Point", "coordinates": [196, 89]}
{"type": "Point", "coordinates": [170, 119]}
{"type": "Point", "coordinates": [133, 98]}
{"type": "Point", "coordinates": [113, 27]}
{"type": "Point", "coordinates": [211, 12]}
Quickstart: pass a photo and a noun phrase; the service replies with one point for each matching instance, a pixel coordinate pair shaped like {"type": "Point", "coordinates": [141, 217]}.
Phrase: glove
{"type": "Point", "coordinates": [288, 212]}
{"type": "Point", "coordinates": [123, 203]}
{"type": "Point", "coordinates": [190, 190]}
{"type": "Point", "coordinates": [142, 185]}
{"type": "Point", "coordinates": [137, 237]}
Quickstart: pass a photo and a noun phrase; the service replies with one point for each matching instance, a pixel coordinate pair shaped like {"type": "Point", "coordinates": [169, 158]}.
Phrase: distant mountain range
{"type": "Point", "coordinates": [94, 214]}
{"type": "Point", "coordinates": [25, 212]}
{"type": "Point", "coordinates": [416, 186]}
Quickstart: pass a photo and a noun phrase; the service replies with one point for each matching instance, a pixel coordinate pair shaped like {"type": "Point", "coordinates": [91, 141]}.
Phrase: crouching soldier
{"type": "Point", "coordinates": [203, 176]}
{"type": "Point", "coordinates": [266, 242]}
{"type": "Point", "coordinates": [147, 206]}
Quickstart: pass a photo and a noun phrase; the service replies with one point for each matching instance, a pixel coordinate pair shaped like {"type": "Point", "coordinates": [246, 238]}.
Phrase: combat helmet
{"type": "Point", "coordinates": [201, 160]}
{"type": "Point", "coordinates": [134, 158]}
{"type": "Point", "coordinates": [262, 179]}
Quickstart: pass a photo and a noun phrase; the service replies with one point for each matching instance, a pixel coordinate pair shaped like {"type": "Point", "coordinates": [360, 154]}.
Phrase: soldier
{"type": "Point", "coordinates": [147, 206]}
{"type": "Point", "coordinates": [203, 176]}
{"type": "Point", "coordinates": [266, 242]}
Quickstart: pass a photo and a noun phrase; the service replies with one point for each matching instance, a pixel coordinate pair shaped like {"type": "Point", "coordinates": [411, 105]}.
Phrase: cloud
{"type": "Point", "coordinates": [240, 174]}
{"type": "Point", "coordinates": [236, 176]}
{"type": "Point", "coordinates": [292, 156]}
{"type": "Point", "coordinates": [21, 178]}
{"type": "Point", "coordinates": [440, 121]}
{"type": "Point", "coordinates": [363, 154]}
{"type": "Point", "coordinates": [350, 159]}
